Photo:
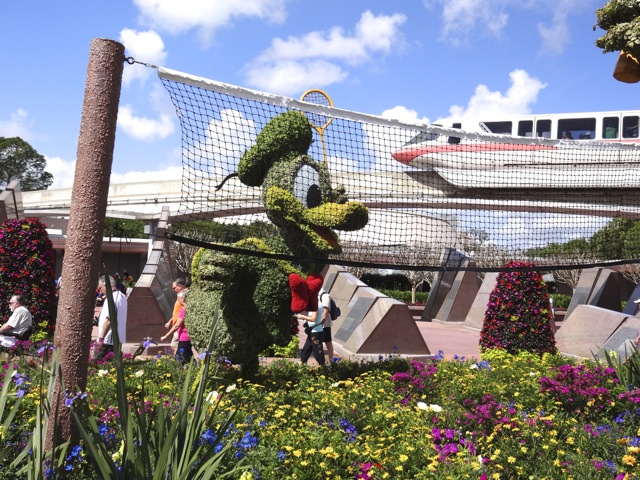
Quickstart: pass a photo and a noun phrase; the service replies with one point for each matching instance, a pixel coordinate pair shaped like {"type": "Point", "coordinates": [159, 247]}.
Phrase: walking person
{"type": "Point", "coordinates": [184, 352]}
{"type": "Point", "coordinates": [179, 285]}
{"type": "Point", "coordinates": [105, 333]}
{"type": "Point", "coordinates": [313, 344]}
{"type": "Point", "coordinates": [327, 322]}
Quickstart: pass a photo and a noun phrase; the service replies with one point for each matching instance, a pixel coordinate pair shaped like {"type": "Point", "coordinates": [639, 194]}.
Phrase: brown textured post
{"type": "Point", "coordinates": [81, 264]}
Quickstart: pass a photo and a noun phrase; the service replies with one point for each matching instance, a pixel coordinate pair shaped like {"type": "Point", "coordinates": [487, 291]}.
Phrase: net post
{"type": "Point", "coordinates": [83, 248]}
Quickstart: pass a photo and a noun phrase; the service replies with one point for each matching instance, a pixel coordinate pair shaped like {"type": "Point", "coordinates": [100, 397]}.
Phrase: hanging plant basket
{"type": "Point", "coordinates": [627, 68]}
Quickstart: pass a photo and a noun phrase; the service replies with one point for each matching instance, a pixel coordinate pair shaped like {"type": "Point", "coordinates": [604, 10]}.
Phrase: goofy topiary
{"type": "Point", "coordinates": [256, 296]}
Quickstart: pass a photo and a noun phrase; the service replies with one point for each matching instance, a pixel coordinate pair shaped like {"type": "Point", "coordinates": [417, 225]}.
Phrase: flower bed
{"type": "Point", "coordinates": [507, 416]}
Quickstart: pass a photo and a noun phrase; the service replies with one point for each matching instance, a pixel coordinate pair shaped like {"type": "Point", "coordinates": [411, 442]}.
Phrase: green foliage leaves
{"type": "Point", "coordinates": [621, 20]}
{"type": "Point", "coordinates": [285, 135]}
{"type": "Point", "coordinates": [254, 297]}
{"type": "Point", "coordinates": [19, 160]}
{"type": "Point", "coordinates": [123, 228]}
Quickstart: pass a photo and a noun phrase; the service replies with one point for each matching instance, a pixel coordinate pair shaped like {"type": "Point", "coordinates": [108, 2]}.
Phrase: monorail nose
{"type": "Point", "coordinates": [404, 156]}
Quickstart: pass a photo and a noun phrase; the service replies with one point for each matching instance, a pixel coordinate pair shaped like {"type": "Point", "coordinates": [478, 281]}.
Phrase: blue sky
{"type": "Point", "coordinates": [430, 60]}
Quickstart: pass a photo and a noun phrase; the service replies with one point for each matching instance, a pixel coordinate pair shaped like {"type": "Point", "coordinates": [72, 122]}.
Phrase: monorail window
{"type": "Point", "coordinates": [610, 127]}
{"type": "Point", "coordinates": [630, 127]}
{"type": "Point", "coordinates": [543, 128]}
{"type": "Point", "coordinates": [577, 128]}
{"type": "Point", "coordinates": [525, 128]}
{"type": "Point", "coordinates": [499, 127]}
{"type": "Point", "coordinates": [423, 137]}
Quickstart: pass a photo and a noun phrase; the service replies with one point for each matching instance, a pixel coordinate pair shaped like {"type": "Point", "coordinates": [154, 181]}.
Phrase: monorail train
{"type": "Point", "coordinates": [536, 151]}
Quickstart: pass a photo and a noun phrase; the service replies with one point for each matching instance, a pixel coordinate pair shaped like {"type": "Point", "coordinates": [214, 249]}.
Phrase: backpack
{"type": "Point", "coordinates": [334, 310]}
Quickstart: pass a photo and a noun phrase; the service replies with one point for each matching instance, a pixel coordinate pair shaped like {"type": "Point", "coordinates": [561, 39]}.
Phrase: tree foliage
{"type": "Point", "coordinates": [621, 21]}
{"type": "Point", "coordinates": [124, 228]}
{"type": "Point", "coordinates": [212, 232]}
{"type": "Point", "coordinates": [20, 161]}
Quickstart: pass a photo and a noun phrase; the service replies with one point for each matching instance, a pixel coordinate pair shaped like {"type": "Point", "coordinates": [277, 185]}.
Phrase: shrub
{"type": "Point", "coordinates": [27, 267]}
{"type": "Point", "coordinates": [254, 297]}
{"type": "Point", "coordinates": [560, 300]}
{"type": "Point", "coordinates": [405, 296]}
{"type": "Point", "coordinates": [518, 316]}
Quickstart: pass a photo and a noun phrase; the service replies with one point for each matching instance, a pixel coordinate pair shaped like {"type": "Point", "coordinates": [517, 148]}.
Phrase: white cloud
{"type": "Point", "coordinates": [467, 20]}
{"type": "Point", "coordinates": [226, 139]}
{"type": "Point", "coordinates": [63, 172]}
{"type": "Point", "coordinates": [206, 16]}
{"type": "Point", "coordinates": [486, 104]}
{"type": "Point", "coordinates": [291, 65]}
{"type": "Point", "coordinates": [404, 114]}
{"type": "Point", "coordinates": [17, 126]}
{"type": "Point", "coordinates": [556, 37]}
{"type": "Point", "coordinates": [290, 77]}
{"type": "Point", "coordinates": [460, 18]}
{"type": "Point", "coordinates": [143, 128]}
{"type": "Point", "coordinates": [145, 47]}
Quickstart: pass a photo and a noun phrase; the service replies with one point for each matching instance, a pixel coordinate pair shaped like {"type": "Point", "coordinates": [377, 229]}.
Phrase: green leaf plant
{"type": "Point", "coordinates": [627, 366]}
{"type": "Point", "coordinates": [177, 440]}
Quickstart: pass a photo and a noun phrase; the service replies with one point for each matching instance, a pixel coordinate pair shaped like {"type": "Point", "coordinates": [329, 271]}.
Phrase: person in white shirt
{"type": "Point", "coordinates": [105, 335]}
{"type": "Point", "coordinates": [327, 322]}
{"type": "Point", "coordinates": [20, 320]}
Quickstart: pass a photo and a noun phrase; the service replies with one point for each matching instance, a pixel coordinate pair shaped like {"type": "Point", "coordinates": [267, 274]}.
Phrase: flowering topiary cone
{"type": "Point", "coordinates": [518, 314]}
{"type": "Point", "coordinates": [27, 265]}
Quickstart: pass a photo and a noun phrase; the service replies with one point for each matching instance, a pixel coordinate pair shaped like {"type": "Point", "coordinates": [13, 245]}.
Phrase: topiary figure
{"type": "Point", "coordinates": [518, 316]}
{"type": "Point", "coordinates": [254, 294]}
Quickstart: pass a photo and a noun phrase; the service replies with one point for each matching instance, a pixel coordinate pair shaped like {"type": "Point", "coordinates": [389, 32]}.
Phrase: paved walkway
{"type": "Point", "coordinates": [453, 338]}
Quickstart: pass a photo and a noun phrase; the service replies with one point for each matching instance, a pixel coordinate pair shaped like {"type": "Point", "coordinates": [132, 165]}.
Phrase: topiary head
{"type": "Point", "coordinates": [297, 192]}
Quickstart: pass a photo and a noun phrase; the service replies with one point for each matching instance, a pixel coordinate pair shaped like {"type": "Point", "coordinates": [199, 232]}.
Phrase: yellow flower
{"type": "Point", "coordinates": [629, 460]}
{"type": "Point", "coordinates": [403, 458]}
{"type": "Point", "coordinates": [511, 460]}
{"type": "Point", "coordinates": [570, 440]}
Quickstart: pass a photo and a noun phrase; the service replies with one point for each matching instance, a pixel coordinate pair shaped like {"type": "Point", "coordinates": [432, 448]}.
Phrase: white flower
{"type": "Point", "coordinates": [102, 373]}
{"type": "Point", "coordinates": [435, 408]}
{"type": "Point", "coordinates": [139, 373]}
{"type": "Point", "coordinates": [212, 396]}
{"type": "Point", "coordinates": [422, 406]}
{"type": "Point", "coordinates": [231, 388]}
{"type": "Point", "coordinates": [474, 367]}
{"type": "Point", "coordinates": [532, 374]}
{"type": "Point", "coordinates": [335, 385]}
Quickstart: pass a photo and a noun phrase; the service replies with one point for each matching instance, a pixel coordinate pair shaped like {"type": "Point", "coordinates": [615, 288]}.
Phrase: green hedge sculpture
{"type": "Point", "coordinates": [253, 293]}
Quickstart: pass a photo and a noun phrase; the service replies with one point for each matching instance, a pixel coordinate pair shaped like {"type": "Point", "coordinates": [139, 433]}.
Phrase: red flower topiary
{"type": "Point", "coordinates": [27, 267]}
{"type": "Point", "coordinates": [518, 315]}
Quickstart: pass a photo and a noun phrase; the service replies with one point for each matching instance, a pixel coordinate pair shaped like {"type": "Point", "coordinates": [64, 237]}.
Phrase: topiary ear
{"type": "Point", "coordinates": [314, 284]}
{"type": "Point", "coordinates": [283, 136]}
{"type": "Point", "coordinates": [299, 293]}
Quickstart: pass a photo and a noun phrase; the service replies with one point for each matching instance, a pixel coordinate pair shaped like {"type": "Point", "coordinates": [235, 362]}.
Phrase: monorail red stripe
{"type": "Point", "coordinates": [409, 154]}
